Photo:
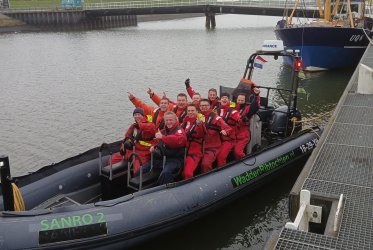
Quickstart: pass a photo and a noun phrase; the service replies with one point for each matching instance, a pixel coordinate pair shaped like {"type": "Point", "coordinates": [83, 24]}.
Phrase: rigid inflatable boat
{"type": "Point", "coordinates": [78, 203]}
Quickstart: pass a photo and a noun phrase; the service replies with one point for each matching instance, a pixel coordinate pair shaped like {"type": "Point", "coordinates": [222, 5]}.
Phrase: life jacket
{"type": "Point", "coordinates": [191, 132]}
{"type": "Point", "coordinates": [171, 152]}
{"type": "Point", "coordinates": [216, 105]}
{"type": "Point", "coordinates": [209, 124]}
{"type": "Point", "coordinates": [245, 120]}
{"type": "Point", "coordinates": [181, 115]}
{"type": "Point", "coordinates": [155, 117]}
{"type": "Point", "coordinates": [228, 119]}
{"type": "Point", "coordinates": [136, 137]}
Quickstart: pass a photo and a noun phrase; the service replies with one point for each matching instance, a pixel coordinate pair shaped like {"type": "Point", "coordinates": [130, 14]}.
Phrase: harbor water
{"type": "Point", "coordinates": [63, 93]}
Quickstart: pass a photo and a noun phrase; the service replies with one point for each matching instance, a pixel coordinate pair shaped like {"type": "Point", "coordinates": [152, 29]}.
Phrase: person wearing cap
{"type": "Point", "coordinates": [157, 113]}
{"type": "Point", "coordinates": [232, 118]}
{"type": "Point", "coordinates": [215, 126]}
{"type": "Point", "coordinates": [138, 138]}
{"type": "Point", "coordinates": [246, 110]}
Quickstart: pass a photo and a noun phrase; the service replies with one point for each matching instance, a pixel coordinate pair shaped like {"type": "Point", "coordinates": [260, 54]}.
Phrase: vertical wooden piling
{"type": "Point", "coordinates": [210, 20]}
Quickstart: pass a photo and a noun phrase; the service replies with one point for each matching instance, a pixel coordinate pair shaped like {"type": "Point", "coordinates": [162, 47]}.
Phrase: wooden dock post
{"type": "Point", "coordinates": [210, 20]}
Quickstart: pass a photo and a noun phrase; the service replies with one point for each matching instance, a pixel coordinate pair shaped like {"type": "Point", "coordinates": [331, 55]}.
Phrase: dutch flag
{"type": "Point", "coordinates": [259, 61]}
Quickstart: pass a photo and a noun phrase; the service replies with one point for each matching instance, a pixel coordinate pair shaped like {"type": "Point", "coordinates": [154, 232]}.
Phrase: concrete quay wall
{"type": "Point", "coordinates": [72, 19]}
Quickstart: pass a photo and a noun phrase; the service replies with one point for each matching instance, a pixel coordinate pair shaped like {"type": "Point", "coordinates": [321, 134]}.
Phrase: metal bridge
{"type": "Point", "coordinates": [146, 7]}
{"type": "Point", "coordinates": [89, 10]}
{"type": "Point", "coordinates": [247, 7]}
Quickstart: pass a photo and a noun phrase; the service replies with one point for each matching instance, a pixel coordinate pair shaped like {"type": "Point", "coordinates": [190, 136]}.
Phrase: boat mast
{"type": "Point", "coordinates": [289, 19]}
{"type": "Point", "coordinates": [350, 14]}
{"type": "Point", "coordinates": [335, 9]}
{"type": "Point", "coordinates": [327, 10]}
{"type": "Point", "coordinates": [321, 10]}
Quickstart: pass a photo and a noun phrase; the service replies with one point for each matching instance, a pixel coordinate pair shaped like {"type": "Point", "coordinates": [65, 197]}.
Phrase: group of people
{"type": "Point", "coordinates": [202, 132]}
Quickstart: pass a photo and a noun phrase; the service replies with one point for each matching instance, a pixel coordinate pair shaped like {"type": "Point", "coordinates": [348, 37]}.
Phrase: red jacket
{"type": "Point", "coordinates": [180, 112]}
{"type": "Point", "coordinates": [232, 117]}
{"type": "Point", "coordinates": [156, 113]}
{"type": "Point", "coordinates": [195, 135]}
{"type": "Point", "coordinates": [214, 104]}
{"type": "Point", "coordinates": [214, 124]}
{"type": "Point", "coordinates": [174, 137]}
{"type": "Point", "coordinates": [142, 134]}
{"type": "Point", "coordinates": [244, 126]}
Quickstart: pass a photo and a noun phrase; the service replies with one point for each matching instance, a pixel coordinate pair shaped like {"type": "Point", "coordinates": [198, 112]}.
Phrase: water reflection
{"type": "Point", "coordinates": [322, 89]}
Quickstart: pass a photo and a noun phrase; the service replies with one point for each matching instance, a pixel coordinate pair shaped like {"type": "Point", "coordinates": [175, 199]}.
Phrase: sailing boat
{"type": "Point", "coordinates": [337, 39]}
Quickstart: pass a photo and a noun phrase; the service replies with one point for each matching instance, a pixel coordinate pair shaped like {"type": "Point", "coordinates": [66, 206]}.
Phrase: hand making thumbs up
{"type": "Point", "coordinates": [158, 135]}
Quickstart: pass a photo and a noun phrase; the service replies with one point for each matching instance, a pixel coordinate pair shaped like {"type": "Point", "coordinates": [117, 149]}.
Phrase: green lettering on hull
{"type": "Point", "coordinates": [72, 221]}
{"type": "Point", "coordinates": [263, 168]}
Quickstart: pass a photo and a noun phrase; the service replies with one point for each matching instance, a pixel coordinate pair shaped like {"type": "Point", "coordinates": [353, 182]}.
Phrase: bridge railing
{"type": "Point", "coordinates": [169, 3]}
{"type": "Point", "coordinates": [172, 3]}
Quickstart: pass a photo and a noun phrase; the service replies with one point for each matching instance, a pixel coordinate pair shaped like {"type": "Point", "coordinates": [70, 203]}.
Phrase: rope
{"type": "Point", "coordinates": [318, 136]}
{"type": "Point", "coordinates": [294, 120]}
{"type": "Point", "coordinates": [370, 40]}
{"type": "Point", "coordinates": [312, 119]}
{"type": "Point", "coordinates": [19, 205]}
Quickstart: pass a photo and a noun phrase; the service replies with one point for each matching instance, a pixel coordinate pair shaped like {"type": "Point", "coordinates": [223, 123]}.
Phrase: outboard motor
{"type": "Point", "coordinates": [281, 124]}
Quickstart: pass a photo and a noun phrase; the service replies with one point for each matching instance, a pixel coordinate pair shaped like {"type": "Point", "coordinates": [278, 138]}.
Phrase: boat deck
{"type": "Point", "coordinates": [341, 164]}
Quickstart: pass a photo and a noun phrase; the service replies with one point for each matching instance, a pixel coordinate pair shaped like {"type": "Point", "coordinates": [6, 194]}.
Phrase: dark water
{"type": "Point", "coordinates": [64, 93]}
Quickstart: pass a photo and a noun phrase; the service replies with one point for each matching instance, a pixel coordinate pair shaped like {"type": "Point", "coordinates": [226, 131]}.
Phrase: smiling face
{"type": "Point", "coordinates": [182, 102]}
{"type": "Point", "coordinates": [213, 95]}
{"type": "Point", "coordinates": [196, 98]}
{"type": "Point", "coordinates": [192, 111]}
{"type": "Point", "coordinates": [204, 106]}
{"type": "Point", "coordinates": [137, 117]}
{"type": "Point", "coordinates": [241, 99]}
{"type": "Point", "coordinates": [163, 105]}
{"type": "Point", "coordinates": [224, 100]}
{"type": "Point", "coordinates": [170, 120]}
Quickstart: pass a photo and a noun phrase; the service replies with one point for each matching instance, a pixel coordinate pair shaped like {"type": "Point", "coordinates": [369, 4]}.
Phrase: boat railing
{"type": "Point", "coordinates": [143, 180]}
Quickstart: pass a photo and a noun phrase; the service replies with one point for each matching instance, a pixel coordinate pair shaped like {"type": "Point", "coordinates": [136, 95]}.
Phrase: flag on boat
{"type": "Point", "coordinates": [259, 61]}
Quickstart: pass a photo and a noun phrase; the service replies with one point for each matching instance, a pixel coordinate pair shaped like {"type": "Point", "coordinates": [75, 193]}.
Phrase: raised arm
{"type": "Point", "coordinates": [189, 89]}
{"type": "Point", "coordinates": [148, 110]}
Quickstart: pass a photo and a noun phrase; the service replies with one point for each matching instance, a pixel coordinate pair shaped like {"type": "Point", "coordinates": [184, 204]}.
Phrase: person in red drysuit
{"type": "Point", "coordinates": [196, 98]}
{"type": "Point", "coordinates": [139, 135]}
{"type": "Point", "coordinates": [214, 127]}
{"type": "Point", "coordinates": [179, 108]}
{"type": "Point", "coordinates": [212, 95]}
{"type": "Point", "coordinates": [171, 142]}
{"type": "Point", "coordinates": [195, 130]}
{"type": "Point", "coordinates": [246, 111]}
{"type": "Point", "coordinates": [232, 118]}
{"type": "Point", "coordinates": [156, 113]}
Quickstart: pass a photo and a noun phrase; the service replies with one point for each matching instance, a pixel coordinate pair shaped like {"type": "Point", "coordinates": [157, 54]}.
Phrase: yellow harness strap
{"type": "Point", "coordinates": [149, 118]}
{"type": "Point", "coordinates": [19, 205]}
{"type": "Point", "coordinates": [144, 143]}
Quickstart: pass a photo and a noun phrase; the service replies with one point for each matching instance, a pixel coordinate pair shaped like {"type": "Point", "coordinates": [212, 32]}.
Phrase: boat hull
{"type": "Point", "coordinates": [324, 48]}
{"type": "Point", "coordinates": [136, 217]}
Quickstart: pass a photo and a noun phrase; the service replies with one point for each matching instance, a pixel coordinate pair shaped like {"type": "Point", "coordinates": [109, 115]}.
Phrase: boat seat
{"type": "Point", "coordinates": [143, 180]}
{"type": "Point", "coordinates": [148, 180]}
{"type": "Point", "coordinates": [113, 180]}
{"type": "Point", "coordinates": [117, 169]}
